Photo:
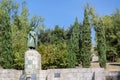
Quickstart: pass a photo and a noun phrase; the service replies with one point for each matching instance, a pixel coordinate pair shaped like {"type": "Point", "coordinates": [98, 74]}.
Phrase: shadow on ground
{"type": "Point", "coordinates": [115, 64]}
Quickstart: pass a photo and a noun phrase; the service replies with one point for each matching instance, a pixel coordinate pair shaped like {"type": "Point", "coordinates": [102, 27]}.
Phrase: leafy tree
{"type": "Point", "coordinates": [111, 38]}
{"type": "Point", "coordinates": [112, 29]}
{"type": "Point", "coordinates": [20, 31]}
{"type": "Point", "coordinates": [53, 48]}
{"type": "Point", "coordinates": [116, 24]}
{"type": "Point", "coordinates": [86, 40]}
{"type": "Point", "coordinates": [53, 56]}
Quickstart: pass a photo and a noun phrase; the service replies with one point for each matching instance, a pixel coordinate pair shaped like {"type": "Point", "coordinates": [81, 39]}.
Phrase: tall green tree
{"type": "Point", "coordinates": [7, 6]}
{"type": "Point", "coordinates": [86, 40]}
{"type": "Point", "coordinates": [1, 13]}
{"type": "Point", "coordinates": [100, 36]}
{"type": "Point", "coordinates": [0, 32]}
{"type": "Point", "coordinates": [101, 44]}
{"type": "Point", "coordinates": [76, 39]}
{"type": "Point", "coordinates": [73, 45]}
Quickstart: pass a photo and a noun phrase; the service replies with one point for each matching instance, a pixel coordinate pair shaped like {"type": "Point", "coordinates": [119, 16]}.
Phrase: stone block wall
{"type": "Point", "coordinates": [7, 74]}
{"type": "Point", "coordinates": [57, 74]}
{"type": "Point", "coordinates": [76, 74]}
{"type": "Point", "coordinates": [43, 74]}
{"type": "Point", "coordinates": [64, 74]}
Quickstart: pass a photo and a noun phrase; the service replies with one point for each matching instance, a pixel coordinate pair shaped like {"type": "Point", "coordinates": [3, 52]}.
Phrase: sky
{"type": "Point", "coordinates": [64, 12]}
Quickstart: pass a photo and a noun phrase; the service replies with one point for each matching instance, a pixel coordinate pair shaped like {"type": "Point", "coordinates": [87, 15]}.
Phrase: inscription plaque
{"type": "Point", "coordinates": [57, 75]}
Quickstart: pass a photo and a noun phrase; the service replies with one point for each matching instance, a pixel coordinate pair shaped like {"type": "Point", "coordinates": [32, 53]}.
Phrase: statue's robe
{"type": "Point", "coordinates": [32, 40]}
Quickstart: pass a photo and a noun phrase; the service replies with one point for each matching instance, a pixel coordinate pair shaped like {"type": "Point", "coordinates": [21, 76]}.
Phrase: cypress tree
{"type": "Point", "coordinates": [71, 57]}
{"type": "Point", "coordinates": [73, 50]}
{"type": "Point", "coordinates": [76, 37]}
{"type": "Point", "coordinates": [86, 41]}
{"type": "Point", "coordinates": [0, 39]}
{"type": "Point", "coordinates": [101, 44]}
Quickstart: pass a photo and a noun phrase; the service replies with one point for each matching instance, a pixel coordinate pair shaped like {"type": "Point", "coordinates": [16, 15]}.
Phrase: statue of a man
{"type": "Point", "coordinates": [32, 39]}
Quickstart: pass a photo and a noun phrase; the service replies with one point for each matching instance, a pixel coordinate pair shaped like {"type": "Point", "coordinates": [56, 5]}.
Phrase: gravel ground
{"type": "Point", "coordinates": [110, 66]}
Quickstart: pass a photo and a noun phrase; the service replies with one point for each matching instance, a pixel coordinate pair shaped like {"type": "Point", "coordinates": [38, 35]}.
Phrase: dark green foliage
{"type": "Point", "coordinates": [44, 37]}
{"type": "Point", "coordinates": [101, 44]}
{"type": "Point", "coordinates": [7, 51]}
{"type": "Point", "coordinates": [57, 35]}
{"type": "Point", "coordinates": [76, 40]}
{"type": "Point", "coordinates": [71, 56]}
{"type": "Point", "coordinates": [79, 56]}
{"type": "Point", "coordinates": [86, 41]}
{"type": "Point", "coordinates": [0, 38]}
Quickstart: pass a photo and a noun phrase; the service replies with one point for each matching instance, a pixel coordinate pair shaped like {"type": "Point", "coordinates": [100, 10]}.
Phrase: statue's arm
{"type": "Point", "coordinates": [36, 39]}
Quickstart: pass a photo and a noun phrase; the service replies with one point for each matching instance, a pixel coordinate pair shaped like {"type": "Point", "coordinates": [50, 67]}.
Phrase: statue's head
{"type": "Point", "coordinates": [32, 28]}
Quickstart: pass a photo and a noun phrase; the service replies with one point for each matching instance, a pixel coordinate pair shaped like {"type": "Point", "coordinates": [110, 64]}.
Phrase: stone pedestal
{"type": "Point", "coordinates": [32, 64]}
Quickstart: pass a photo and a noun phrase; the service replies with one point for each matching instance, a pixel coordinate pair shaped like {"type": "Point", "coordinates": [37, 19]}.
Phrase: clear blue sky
{"type": "Point", "coordinates": [64, 12]}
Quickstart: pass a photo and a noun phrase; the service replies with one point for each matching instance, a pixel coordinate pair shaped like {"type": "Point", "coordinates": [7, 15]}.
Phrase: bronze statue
{"type": "Point", "coordinates": [32, 39]}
